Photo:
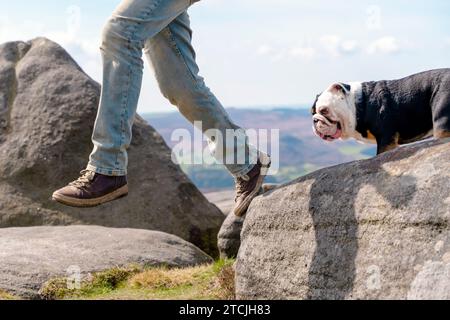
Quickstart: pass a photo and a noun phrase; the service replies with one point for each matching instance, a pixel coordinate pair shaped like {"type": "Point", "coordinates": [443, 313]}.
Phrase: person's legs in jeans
{"type": "Point", "coordinates": [162, 26]}
{"type": "Point", "coordinates": [173, 59]}
{"type": "Point", "coordinates": [124, 38]}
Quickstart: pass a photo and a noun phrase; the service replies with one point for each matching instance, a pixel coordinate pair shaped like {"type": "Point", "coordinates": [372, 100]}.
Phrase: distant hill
{"type": "Point", "coordinates": [300, 150]}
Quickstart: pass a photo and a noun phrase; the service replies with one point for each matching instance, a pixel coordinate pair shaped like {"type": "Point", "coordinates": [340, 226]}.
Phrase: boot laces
{"type": "Point", "coordinates": [241, 185]}
{"type": "Point", "coordinates": [84, 180]}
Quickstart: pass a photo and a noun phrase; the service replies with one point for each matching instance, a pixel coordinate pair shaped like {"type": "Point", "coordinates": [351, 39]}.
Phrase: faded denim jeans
{"type": "Point", "coordinates": [161, 30]}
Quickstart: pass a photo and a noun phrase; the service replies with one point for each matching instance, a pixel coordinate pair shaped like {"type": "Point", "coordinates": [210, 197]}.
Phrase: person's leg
{"type": "Point", "coordinates": [173, 59]}
{"type": "Point", "coordinates": [124, 37]}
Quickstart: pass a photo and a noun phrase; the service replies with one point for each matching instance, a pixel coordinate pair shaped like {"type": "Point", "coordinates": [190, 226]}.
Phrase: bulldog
{"type": "Point", "coordinates": [386, 113]}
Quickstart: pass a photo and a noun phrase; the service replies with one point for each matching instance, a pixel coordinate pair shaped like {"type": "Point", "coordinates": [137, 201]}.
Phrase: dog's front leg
{"type": "Point", "coordinates": [387, 143]}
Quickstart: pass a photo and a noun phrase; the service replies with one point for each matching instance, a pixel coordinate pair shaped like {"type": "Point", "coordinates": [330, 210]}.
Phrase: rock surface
{"type": "Point", "coordinates": [229, 238]}
{"type": "Point", "coordinates": [47, 112]}
{"type": "Point", "coordinates": [31, 256]}
{"type": "Point", "coordinates": [373, 229]}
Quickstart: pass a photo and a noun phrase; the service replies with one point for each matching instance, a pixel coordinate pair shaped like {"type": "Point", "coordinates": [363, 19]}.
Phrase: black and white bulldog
{"type": "Point", "coordinates": [388, 113]}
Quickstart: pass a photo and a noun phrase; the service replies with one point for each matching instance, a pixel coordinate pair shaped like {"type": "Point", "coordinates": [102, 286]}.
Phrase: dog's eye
{"type": "Point", "coordinates": [316, 120]}
{"type": "Point", "coordinates": [324, 111]}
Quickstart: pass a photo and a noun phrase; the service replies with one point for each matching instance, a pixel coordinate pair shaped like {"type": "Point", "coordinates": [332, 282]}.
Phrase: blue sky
{"type": "Point", "coordinates": [263, 52]}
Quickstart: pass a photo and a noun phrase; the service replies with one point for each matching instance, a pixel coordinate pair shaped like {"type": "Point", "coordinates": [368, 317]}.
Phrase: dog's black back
{"type": "Point", "coordinates": [408, 109]}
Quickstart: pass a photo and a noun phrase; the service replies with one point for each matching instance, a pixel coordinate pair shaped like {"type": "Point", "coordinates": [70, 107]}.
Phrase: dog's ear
{"type": "Point", "coordinates": [341, 87]}
{"type": "Point", "coordinates": [314, 107]}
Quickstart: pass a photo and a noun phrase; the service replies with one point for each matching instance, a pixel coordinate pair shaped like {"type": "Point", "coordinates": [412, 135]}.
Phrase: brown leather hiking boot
{"type": "Point", "coordinates": [92, 189]}
{"type": "Point", "coordinates": [247, 188]}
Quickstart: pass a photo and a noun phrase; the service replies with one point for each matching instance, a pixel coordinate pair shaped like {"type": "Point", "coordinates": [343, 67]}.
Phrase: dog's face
{"type": "Point", "coordinates": [333, 117]}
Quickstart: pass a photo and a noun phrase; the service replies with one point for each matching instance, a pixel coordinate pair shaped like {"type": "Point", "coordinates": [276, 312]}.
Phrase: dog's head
{"type": "Point", "coordinates": [333, 115]}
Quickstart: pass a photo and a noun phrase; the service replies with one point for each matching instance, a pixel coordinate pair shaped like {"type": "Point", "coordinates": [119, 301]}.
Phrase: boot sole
{"type": "Point", "coordinates": [241, 209]}
{"type": "Point", "coordinates": [89, 203]}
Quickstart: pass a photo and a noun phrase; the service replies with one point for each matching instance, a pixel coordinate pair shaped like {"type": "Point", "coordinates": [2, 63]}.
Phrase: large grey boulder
{"type": "Point", "coordinates": [373, 229]}
{"type": "Point", "coordinates": [31, 256]}
{"type": "Point", "coordinates": [229, 238]}
{"type": "Point", "coordinates": [47, 111]}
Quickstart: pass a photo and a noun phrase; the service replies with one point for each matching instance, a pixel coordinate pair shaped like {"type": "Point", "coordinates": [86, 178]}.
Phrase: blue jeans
{"type": "Point", "coordinates": [161, 29]}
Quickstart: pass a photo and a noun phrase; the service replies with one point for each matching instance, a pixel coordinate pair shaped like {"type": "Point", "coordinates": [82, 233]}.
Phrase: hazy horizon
{"type": "Point", "coordinates": [302, 106]}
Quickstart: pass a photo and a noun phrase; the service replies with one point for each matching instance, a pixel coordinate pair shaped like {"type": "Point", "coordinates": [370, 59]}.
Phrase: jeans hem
{"type": "Point", "coordinates": [107, 172]}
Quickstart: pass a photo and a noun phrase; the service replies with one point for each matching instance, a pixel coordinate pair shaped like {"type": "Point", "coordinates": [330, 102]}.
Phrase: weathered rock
{"type": "Point", "coordinates": [31, 256]}
{"type": "Point", "coordinates": [47, 111]}
{"type": "Point", "coordinates": [373, 229]}
{"type": "Point", "coordinates": [229, 238]}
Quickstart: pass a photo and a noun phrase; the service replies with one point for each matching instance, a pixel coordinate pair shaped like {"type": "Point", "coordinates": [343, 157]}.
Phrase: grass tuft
{"type": "Point", "coordinates": [112, 278]}
{"type": "Point", "coordinates": [97, 284]}
{"type": "Point", "coordinates": [6, 296]}
{"type": "Point", "coordinates": [206, 282]}
{"type": "Point", "coordinates": [226, 280]}
{"type": "Point", "coordinates": [162, 278]}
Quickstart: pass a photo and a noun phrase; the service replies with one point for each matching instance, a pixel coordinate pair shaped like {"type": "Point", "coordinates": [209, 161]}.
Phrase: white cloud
{"type": "Point", "coordinates": [279, 56]}
{"type": "Point", "coordinates": [84, 50]}
{"type": "Point", "coordinates": [331, 44]}
{"type": "Point", "coordinates": [13, 31]}
{"type": "Point", "coordinates": [275, 54]}
{"type": "Point", "coordinates": [384, 45]}
{"type": "Point", "coordinates": [70, 37]}
{"type": "Point", "coordinates": [279, 53]}
{"type": "Point", "coordinates": [349, 46]}
{"type": "Point", "coordinates": [264, 50]}
{"type": "Point", "coordinates": [307, 53]}
{"type": "Point", "coordinates": [336, 47]}
{"type": "Point", "coordinates": [327, 45]}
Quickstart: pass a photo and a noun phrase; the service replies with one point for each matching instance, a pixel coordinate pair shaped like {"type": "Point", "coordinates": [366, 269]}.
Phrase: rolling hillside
{"type": "Point", "coordinates": [300, 151]}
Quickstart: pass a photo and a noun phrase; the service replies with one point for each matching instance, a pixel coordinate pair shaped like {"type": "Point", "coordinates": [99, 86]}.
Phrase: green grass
{"type": "Point", "coordinates": [207, 282]}
{"type": "Point", "coordinates": [6, 296]}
